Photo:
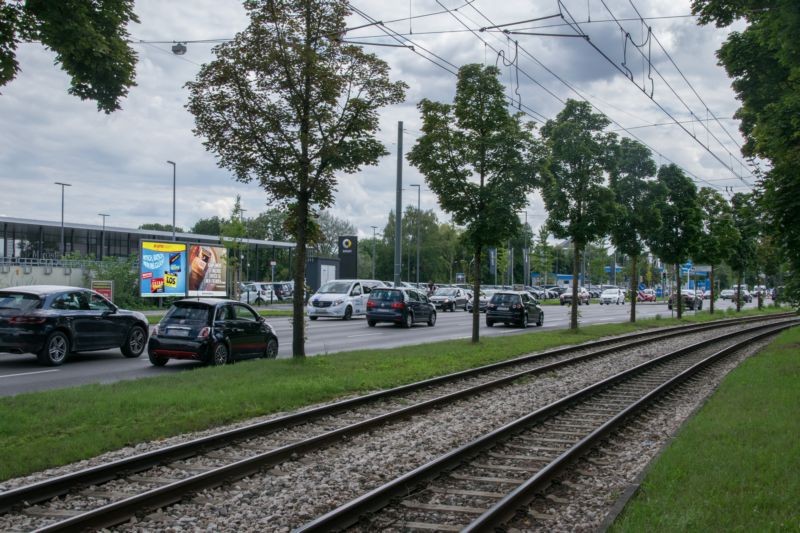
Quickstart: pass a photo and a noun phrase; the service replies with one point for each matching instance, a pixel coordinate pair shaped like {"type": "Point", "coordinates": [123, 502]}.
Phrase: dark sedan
{"type": "Point", "coordinates": [449, 298]}
{"type": "Point", "coordinates": [513, 307]}
{"type": "Point", "coordinates": [53, 321]}
{"type": "Point", "coordinates": [400, 306]}
{"type": "Point", "coordinates": [213, 331]}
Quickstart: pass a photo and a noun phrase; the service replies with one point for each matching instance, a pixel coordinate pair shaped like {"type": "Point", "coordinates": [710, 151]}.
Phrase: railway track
{"type": "Point", "coordinates": [109, 494]}
{"type": "Point", "coordinates": [483, 484]}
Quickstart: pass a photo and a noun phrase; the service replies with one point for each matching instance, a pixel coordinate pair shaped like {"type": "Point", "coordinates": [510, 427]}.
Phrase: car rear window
{"type": "Point", "coordinates": [19, 300]}
{"type": "Point", "coordinates": [505, 299]}
{"type": "Point", "coordinates": [189, 313]}
{"type": "Point", "coordinates": [386, 295]}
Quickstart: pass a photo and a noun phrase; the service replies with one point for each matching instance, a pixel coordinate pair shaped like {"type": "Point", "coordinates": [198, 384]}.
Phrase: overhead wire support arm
{"type": "Point", "coordinates": [496, 26]}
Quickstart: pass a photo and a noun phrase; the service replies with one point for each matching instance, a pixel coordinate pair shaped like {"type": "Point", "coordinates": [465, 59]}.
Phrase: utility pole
{"type": "Point", "coordinates": [103, 235]}
{"type": "Point", "coordinates": [373, 250]}
{"type": "Point", "coordinates": [173, 198]}
{"type": "Point", "coordinates": [63, 244]}
{"type": "Point", "coordinates": [398, 212]}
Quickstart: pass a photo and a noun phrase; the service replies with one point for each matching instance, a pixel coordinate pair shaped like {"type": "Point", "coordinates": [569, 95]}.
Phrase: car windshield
{"type": "Point", "coordinates": [445, 292]}
{"type": "Point", "coordinates": [19, 300]}
{"type": "Point", "coordinates": [386, 295]}
{"type": "Point", "coordinates": [505, 299]}
{"type": "Point", "coordinates": [334, 287]}
{"type": "Point", "coordinates": [188, 312]}
{"type": "Point", "coordinates": [610, 292]}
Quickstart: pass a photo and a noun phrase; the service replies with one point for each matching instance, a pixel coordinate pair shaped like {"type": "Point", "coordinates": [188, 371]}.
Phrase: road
{"type": "Point", "coordinates": [22, 373]}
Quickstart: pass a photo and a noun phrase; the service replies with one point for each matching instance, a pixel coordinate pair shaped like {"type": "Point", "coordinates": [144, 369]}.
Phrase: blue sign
{"type": "Point", "coordinates": [163, 269]}
{"type": "Point", "coordinates": [642, 286]}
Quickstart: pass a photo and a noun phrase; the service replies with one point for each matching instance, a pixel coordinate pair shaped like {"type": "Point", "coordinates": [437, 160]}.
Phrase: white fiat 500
{"type": "Point", "coordinates": [341, 298]}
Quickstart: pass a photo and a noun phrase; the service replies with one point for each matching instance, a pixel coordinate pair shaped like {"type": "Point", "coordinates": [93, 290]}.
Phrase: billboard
{"type": "Point", "coordinates": [162, 269]}
{"type": "Point", "coordinates": [348, 257]}
{"type": "Point", "coordinates": [208, 270]}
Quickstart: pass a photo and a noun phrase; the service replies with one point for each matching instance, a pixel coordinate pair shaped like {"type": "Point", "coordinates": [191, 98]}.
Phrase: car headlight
{"type": "Point", "coordinates": [338, 302]}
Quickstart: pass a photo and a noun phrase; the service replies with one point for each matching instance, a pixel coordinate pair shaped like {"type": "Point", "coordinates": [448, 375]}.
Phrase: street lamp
{"type": "Point", "coordinates": [419, 221]}
{"type": "Point", "coordinates": [63, 245]}
{"type": "Point", "coordinates": [173, 198]}
{"type": "Point", "coordinates": [373, 250]}
{"type": "Point", "coordinates": [103, 235]}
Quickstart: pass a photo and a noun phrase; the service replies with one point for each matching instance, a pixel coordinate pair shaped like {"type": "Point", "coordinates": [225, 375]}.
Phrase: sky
{"type": "Point", "coordinates": [117, 163]}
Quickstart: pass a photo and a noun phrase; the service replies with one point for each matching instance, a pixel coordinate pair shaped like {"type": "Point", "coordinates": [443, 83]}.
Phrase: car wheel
{"type": "Point", "coordinates": [540, 321]}
{"type": "Point", "coordinates": [135, 343]}
{"type": "Point", "coordinates": [157, 360]}
{"type": "Point", "coordinates": [489, 323]}
{"type": "Point", "coordinates": [563, 302]}
{"type": "Point", "coordinates": [524, 323]}
{"type": "Point", "coordinates": [220, 355]}
{"type": "Point", "coordinates": [371, 323]}
{"type": "Point", "coordinates": [408, 320]}
{"type": "Point", "coordinates": [348, 313]}
{"type": "Point", "coordinates": [272, 348]}
{"type": "Point", "coordinates": [432, 319]}
{"type": "Point", "coordinates": [465, 307]}
{"type": "Point", "coordinates": [313, 317]}
{"type": "Point", "coordinates": [55, 349]}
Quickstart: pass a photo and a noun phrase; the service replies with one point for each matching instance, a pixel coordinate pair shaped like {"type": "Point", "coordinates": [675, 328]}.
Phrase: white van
{"type": "Point", "coordinates": [341, 298]}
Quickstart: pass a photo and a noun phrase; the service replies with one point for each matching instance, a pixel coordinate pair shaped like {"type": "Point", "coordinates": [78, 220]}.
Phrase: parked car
{"type": "Point", "coordinates": [341, 298]}
{"type": "Point", "coordinates": [583, 297]}
{"type": "Point", "coordinates": [707, 294]}
{"type": "Point", "coordinates": [690, 300]}
{"type": "Point", "coordinates": [281, 290]}
{"type": "Point", "coordinates": [483, 300]}
{"type": "Point", "coordinates": [612, 296]}
{"type": "Point", "coordinates": [54, 321]}
{"type": "Point", "coordinates": [646, 295]}
{"type": "Point", "coordinates": [404, 306]}
{"type": "Point", "coordinates": [449, 298]}
{"type": "Point", "coordinates": [212, 330]}
{"type": "Point", "coordinates": [513, 307]}
{"type": "Point", "coordinates": [746, 296]}
{"type": "Point", "coordinates": [726, 294]}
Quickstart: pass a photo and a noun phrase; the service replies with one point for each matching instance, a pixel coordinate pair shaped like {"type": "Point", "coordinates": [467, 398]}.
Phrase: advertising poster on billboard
{"type": "Point", "coordinates": [162, 269]}
{"type": "Point", "coordinates": [208, 270]}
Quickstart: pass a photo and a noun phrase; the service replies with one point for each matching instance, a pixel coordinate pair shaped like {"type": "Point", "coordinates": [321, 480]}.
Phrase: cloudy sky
{"type": "Point", "coordinates": [117, 163]}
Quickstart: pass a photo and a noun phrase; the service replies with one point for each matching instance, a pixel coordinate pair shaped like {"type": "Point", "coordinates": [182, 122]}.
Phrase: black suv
{"type": "Point", "coordinates": [513, 307]}
{"type": "Point", "coordinates": [400, 305]}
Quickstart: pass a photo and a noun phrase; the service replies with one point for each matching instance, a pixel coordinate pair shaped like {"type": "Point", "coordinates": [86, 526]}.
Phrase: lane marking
{"type": "Point", "coordinates": [29, 373]}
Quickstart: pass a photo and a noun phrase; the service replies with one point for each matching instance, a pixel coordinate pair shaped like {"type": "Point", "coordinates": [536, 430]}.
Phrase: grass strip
{"type": "Point", "coordinates": [51, 428]}
{"type": "Point", "coordinates": [734, 466]}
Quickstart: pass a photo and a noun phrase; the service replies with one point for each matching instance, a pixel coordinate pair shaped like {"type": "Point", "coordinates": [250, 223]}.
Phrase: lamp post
{"type": "Point", "coordinates": [63, 245]}
{"type": "Point", "coordinates": [173, 198]}
{"type": "Point", "coordinates": [373, 250]}
{"type": "Point", "coordinates": [103, 235]}
{"type": "Point", "coordinates": [419, 221]}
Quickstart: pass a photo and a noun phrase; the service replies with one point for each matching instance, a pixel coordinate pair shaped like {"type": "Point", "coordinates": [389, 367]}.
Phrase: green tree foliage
{"type": "Point", "coordinates": [479, 160]}
{"type": "Point", "coordinates": [542, 256]}
{"type": "Point", "coordinates": [330, 228]}
{"type": "Point", "coordinates": [269, 225]}
{"type": "Point", "coordinates": [285, 103]}
{"type": "Point", "coordinates": [160, 227]}
{"type": "Point", "coordinates": [90, 40]}
{"type": "Point", "coordinates": [633, 191]}
{"type": "Point", "coordinates": [231, 232]}
{"type": "Point", "coordinates": [124, 274]}
{"type": "Point", "coordinates": [742, 255]}
{"type": "Point", "coordinates": [718, 234]}
{"type": "Point", "coordinates": [207, 226]}
{"type": "Point", "coordinates": [764, 62]}
{"type": "Point", "coordinates": [677, 236]}
{"type": "Point", "coordinates": [580, 207]}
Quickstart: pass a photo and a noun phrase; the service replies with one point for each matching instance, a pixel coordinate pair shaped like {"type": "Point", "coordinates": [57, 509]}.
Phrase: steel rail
{"type": "Point", "coordinates": [371, 502]}
{"type": "Point", "coordinates": [47, 489]}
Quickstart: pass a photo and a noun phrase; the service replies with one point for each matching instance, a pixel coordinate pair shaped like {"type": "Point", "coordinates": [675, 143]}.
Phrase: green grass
{"type": "Point", "coordinates": [736, 465]}
{"type": "Point", "coordinates": [51, 428]}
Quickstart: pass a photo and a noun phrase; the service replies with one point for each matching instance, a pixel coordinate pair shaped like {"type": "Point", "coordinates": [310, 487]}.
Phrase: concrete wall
{"type": "Point", "coordinates": [16, 275]}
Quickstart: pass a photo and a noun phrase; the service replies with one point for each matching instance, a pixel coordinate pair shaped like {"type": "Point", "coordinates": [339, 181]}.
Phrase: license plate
{"type": "Point", "coordinates": [179, 332]}
{"type": "Point", "coordinates": [502, 308]}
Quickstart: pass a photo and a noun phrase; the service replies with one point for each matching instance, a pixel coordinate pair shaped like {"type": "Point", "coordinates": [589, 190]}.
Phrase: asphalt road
{"type": "Point", "coordinates": [22, 373]}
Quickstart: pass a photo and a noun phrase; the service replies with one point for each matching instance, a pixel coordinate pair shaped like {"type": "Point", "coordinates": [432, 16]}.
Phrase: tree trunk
{"type": "Point", "coordinates": [713, 292]}
{"type": "Point", "coordinates": [299, 298]}
{"type": "Point", "coordinates": [476, 291]}
{"type": "Point", "coordinates": [634, 286]}
{"type": "Point", "coordinates": [739, 292]}
{"type": "Point", "coordinates": [678, 296]}
{"type": "Point", "coordinates": [573, 315]}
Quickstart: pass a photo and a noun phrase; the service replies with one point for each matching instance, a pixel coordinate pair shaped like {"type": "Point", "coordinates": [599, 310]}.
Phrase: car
{"type": "Point", "coordinates": [214, 331]}
{"type": "Point", "coordinates": [513, 307]}
{"type": "Point", "coordinates": [402, 305]}
{"type": "Point", "coordinates": [612, 296]}
{"type": "Point", "coordinates": [746, 296]}
{"type": "Point", "coordinates": [583, 297]}
{"type": "Point", "coordinates": [483, 299]}
{"type": "Point", "coordinates": [726, 294]}
{"type": "Point", "coordinates": [53, 321]}
{"type": "Point", "coordinates": [690, 300]}
{"type": "Point", "coordinates": [449, 298]}
{"type": "Point", "coordinates": [707, 294]}
{"type": "Point", "coordinates": [646, 295]}
{"type": "Point", "coordinates": [341, 298]}
{"type": "Point", "coordinates": [281, 290]}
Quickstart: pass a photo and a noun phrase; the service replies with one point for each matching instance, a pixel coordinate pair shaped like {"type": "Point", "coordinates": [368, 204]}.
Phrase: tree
{"type": "Point", "coordinates": [231, 233]}
{"type": "Point", "coordinates": [717, 235]}
{"type": "Point", "coordinates": [90, 40]}
{"type": "Point", "coordinates": [764, 62]}
{"type": "Point", "coordinates": [742, 255]}
{"type": "Point", "coordinates": [269, 225]}
{"type": "Point", "coordinates": [479, 160]}
{"type": "Point", "coordinates": [160, 227]}
{"type": "Point", "coordinates": [287, 104]}
{"type": "Point", "coordinates": [330, 229]}
{"type": "Point", "coordinates": [580, 207]}
{"type": "Point", "coordinates": [676, 237]}
{"type": "Point", "coordinates": [207, 226]}
{"type": "Point", "coordinates": [633, 166]}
